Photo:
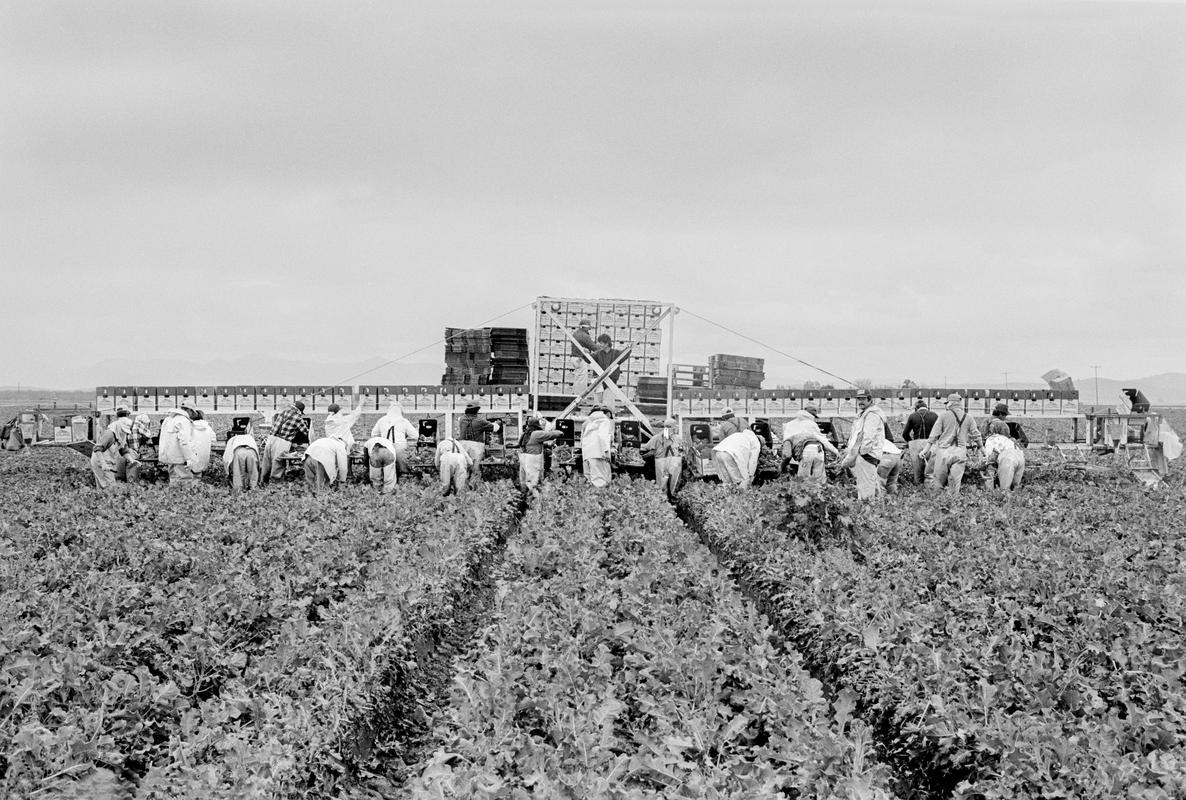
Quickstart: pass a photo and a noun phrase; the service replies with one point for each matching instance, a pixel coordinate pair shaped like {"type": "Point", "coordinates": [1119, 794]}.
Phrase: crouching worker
{"type": "Point", "coordinates": [381, 463]}
{"type": "Point", "coordinates": [326, 464]}
{"type": "Point", "coordinates": [1004, 460]}
{"type": "Point", "coordinates": [395, 428]}
{"type": "Point", "coordinates": [453, 463]}
{"type": "Point", "coordinates": [668, 448]}
{"type": "Point", "coordinates": [531, 453]}
{"type": "Point", "coordinates": [736, 458]}
{"type": "Point", "coordinates": [803, 442]}
{"type": "Point", "coordinates": [185, 444]}
{"type": "Point", "coordinates": [109, 458]}
{"type": "Point", "coordinates": [241, 458]}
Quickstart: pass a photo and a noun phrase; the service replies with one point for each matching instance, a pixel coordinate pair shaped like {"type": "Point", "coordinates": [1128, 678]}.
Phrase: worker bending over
{"type": "Point", "coordinates": [381, 458]}
{"type": "Point", "coordinates": [536, 434]}
{"type": "Point", "coordinates": [285, 427]}
{"type": "Point", "coordinates": [395, 428]}
{"type": "Point", "coordinates": [918, 427]}
{"type": "Point", "coordinates": [453, 464]}
{"type": "Point", "coordinates": [1004, 460]}
{"type": "Point", "coordinates": [736, 458]}
{"type": "Point", "coordinates": [184, 450]}
{"type": "Point", "coordinates": [597, 439]}
{"type": "Point", "coordinates": [241, 459]}
{"type": "Point", "coordinates": [471, 433]}
{"type": "Point", "coordinates": [802, 441]}
{"type": "Point", "coordinates": [109, 458]}
{"type": "Point", "coordinates": [954, 432]}
{"type": "Point", "coordinates": [327, 463]}
{"type": "Point", "coordinates": [668, 448]}
{"type": "Point", "coordinates": [866, 445]}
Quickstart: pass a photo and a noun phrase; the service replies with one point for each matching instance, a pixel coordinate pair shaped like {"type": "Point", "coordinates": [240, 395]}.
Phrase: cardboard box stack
{"type": "Point", "coordinates": [485, 356]}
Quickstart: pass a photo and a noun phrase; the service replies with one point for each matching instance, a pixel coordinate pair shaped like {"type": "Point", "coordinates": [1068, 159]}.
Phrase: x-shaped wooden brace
{"type": "Point", "coordinates": [604, 376]}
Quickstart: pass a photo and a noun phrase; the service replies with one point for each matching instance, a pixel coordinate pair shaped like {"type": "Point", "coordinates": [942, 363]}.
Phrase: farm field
{"type": "Point", "coordinates": [764, 643]}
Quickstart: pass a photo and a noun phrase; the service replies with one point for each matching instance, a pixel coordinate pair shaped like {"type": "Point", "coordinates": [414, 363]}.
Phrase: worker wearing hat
{"type": "Point", "coordinates": [339, 424]}
{"type": "Point", "coordinates": [804, 443]}
{"type": "Point", "coordinates": [285, 427]}
{"type": "Point", "coordinates": [1001, 412]}
{"type": "Point", "coordinates": [109, 456]}
{"type": "Point", "coordinates": [954, 433]}
{"type": "Point", "coordinates": [580, 363]}
{"type": "Point", "coordinates": [472, 431]}
{"type": "Point", "coordinates": [1004, 461]}
{"type": "Point", "coordinates": [667, 445]}
{"type": "Point", "coordinates": [918, 427]}
{"type": "Point", "coordinates": [866, 444]}
{"type": "Point", "coordinates": [177, 451]}
{"type": "Point", "coordinates": [730, 424]}
{"type": "Point", "coordinates": [536, 433]}
{"type": "Point", "coordinates": [597, 440]}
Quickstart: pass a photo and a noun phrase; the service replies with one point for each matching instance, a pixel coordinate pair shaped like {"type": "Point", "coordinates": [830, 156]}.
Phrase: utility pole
{"type": "Point", "coordinates": [1096, 369]}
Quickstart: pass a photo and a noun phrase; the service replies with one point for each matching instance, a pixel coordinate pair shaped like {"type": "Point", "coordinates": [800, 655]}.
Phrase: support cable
{"type": "Point", "coordinates": [767, 346]}
{"type": "Point", "coordinates": [433, 344]}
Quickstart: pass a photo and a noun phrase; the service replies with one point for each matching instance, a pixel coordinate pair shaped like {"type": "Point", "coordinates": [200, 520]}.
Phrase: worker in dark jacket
{"type": "Point", "coordinates": [471, 435]}
{"type": "Point", "coordinates": [605, 355]}
{"type": "Point", "coordinates": [918, 428]}
{"type": "Point", "coordinates": [731, 424]}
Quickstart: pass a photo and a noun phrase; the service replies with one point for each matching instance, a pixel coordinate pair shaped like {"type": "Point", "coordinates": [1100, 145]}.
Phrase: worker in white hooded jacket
{"type": "Point", "coordinates": [340, 424]}
{"type": "Point", "coordinates": [326, 463]}
{"type": "Point", "coordinates": [453, 464]}
{"type": "Point", "coordinates": [176, 449]}
{"type": "Point", "coordinates": [395, 428]}
{"type": "Point", "coordinates": [597, 438]}
{"type": "Point", "coordinates": [241, 459]}
{"type": "Point", "coordinates": [736, 457]}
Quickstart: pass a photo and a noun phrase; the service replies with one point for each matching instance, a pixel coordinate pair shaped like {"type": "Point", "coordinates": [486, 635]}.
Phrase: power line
{"type": "Point", "coordinates": [434, 344]}
{"type": "Point", "coordinates": [767, 346]}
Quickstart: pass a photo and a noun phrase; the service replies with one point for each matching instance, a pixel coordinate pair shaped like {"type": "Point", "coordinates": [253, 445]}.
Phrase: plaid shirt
{"type": "Point", "coordinates": [288, 423]}
{"type": "Point", "coordinates": [141, 433]}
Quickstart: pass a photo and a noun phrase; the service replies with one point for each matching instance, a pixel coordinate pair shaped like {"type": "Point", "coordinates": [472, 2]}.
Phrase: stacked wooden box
{"type": "Point", "coordinates": [728, 372]}
{"type": "Point", "coordinates": [485, 356]}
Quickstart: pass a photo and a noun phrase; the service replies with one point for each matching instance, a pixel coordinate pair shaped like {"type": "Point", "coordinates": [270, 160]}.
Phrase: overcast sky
{"type": "Point", "coordinates": [885, 189]}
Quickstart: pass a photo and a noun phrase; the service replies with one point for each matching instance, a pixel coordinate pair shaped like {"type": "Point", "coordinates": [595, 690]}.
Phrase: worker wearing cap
{"type": "Point", "coordinates": [471, 433]}
{"type": "Point", "coordinates": [108, 458]}
{"type": "Point", "coordinates": [736, 458]}
{"type": "Point", "coordinates": [176, 451]}
{"type": "Point", "coordinates": [339, 424]}
{"type": "Point", "coordinates": [326, 463]}
{"type": "Point", "coordinates": [918, 428]}
{"type": "Point", "coordinates": [1004, 461]}
{"type": "Point", "coordinates": [603, 356]}
{"type": "Point", "coordinates": [1001, 411]}
{"type": "Point", "coordinates": [667, 445]}
{"type": "Point", "coordinates": [580, 364]}
{"type": "Point", "coordinates": [865, 446]}
{"type": "Point", "coordinates": [285, 427]}
{"type": "Point", "coordinates": [597, 438]}
{"type": "Point", "coordinates": [139, 446]}
{"type": "Point", "coordinates": [241, 458]}
{"type": "Point", "coordinates": [395, 428]}
{"type": "Point", "coordinates": [730, 424]}
{"type": "Point", "coordinates": [453, 464]}
{"type": "Point", "coordinates": [954, 432]}
{"type": "Point", "coordinates": [802, 441]}
{"type": "Point", "coordinates": [536, 433]}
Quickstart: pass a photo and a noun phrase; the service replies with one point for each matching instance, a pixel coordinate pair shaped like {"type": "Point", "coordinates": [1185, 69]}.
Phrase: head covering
{"type": "Point", "coordinates": [812, 410]}
{"type": "Point", "coordinates": [728, 412]}
{"type": "Point", "coordinates": [920, 403]}
{"type": "Point", "coordinates": [300, 404]}
{"type": "Point", "coordinates": [584, 323]}
{"type": "Point", "coordinates": [334, 408]}
{"type": "Point", "coordinates": [1000, 410]}
{"type": "Point", "coordinates": [395, 409]}
{"type": "Point", "coordinates": [669, 423]}
{"type": "Point", "coordinates": [862, 394]}
{"type": "Point", "coordinates": [122, 411]}
{"type": "Point", "coordinates": [998, 426]}
{"type": "Point", "coordinates": [472, 408]}
{"type": "Point", "coordinates": [955, 397]}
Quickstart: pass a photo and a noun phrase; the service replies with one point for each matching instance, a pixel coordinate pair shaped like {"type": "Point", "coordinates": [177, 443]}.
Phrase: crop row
{"type": "Point", "coordinates": [1032, 650]}
{"type": "Point", "coordinates": [621, 662]}
{"type": "Point", "coordinates": [204, 646]}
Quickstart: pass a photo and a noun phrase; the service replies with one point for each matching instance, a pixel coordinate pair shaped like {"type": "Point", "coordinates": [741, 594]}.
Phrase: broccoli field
{"type": "Point", "coordinates": [599, 643]}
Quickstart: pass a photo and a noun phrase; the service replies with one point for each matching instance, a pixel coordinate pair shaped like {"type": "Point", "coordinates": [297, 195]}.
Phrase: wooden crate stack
{"type": "Point", "coordinates": [728, 372]}
{"type": "Point", "coordinates": [624, 321]}
{"type": "Point", "coordinates": [485, 356]}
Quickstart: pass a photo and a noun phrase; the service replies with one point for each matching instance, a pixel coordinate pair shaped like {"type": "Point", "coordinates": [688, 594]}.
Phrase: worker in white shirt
{"type": "Point", "coordinates": [381, 463]}
{"type": "Point", "coordinates": [953, 433]}
{"type": "Point", "coordinates": [453, 463]}
{"type": "Point", "coordinates": [326, 463]}
{"type": "Point", "coordinates": [865, 446]}
{"type": "Point", "coordinates": [802, 441]}
{"type": "Point", "coordinates": [241, 458]}
{"type": "Point", "coordinates": [597, 437]}
{"type": "Point", "coordinates": [340, 424]}
{"type": "Point", "coordinates": [668, 448]}
{"type": "Point", "coordinates": [736, 458]}
{"type": "Point", "coordinates": [1004, 460]}
{"type": "Point", "coordinates": [395, 428]}
{"type": "Point", "coordinates": [108, 458]}
{"type": "Point", "coordinates": [176, 449]}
